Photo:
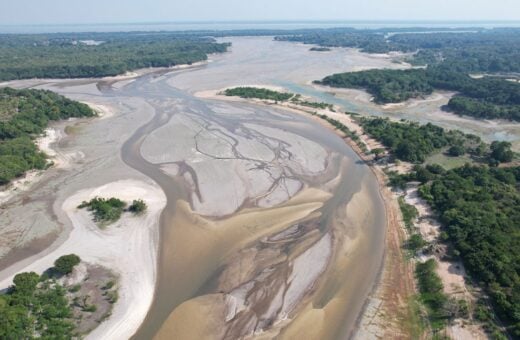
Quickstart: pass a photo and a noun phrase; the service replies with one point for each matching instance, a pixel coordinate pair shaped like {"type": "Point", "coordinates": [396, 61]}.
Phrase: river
{"type": "Point", "coordinates": [273, 226]}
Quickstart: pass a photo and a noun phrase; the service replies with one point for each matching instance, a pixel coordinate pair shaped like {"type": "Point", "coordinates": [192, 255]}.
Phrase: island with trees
{"type": "Point", "coordinates": [272, 95]}
{"type": "Point", "coordinates": [319, 49]}
{"type": "Point", "coordinates": [258, 93]}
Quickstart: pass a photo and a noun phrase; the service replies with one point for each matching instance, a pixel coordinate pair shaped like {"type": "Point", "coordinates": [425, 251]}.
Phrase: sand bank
{"type": "Point", "coordinates": [128, 247]}
{"type": "Point", "coordinates": [103, 111]}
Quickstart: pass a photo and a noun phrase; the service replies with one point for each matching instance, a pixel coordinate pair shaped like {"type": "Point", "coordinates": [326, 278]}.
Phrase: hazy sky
{"type": "Point", "coordinates": [110, 11]}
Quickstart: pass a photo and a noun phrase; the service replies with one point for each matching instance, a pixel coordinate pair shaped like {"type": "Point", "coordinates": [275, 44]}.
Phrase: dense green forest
{"type": "Point", "coordinates": [412, 142]}
{"type": "Point", "coordinates": [387, 86]}
{"type": "Point", "coordinates": [482, 98]}
{"type": "Point", "coordinates": [98, 54]}
{"type": "Point", "coordinates": [478, 207]}
{"type": "Point", "coordinates": [37, 306]}
{"type": "Point", "coordinates": [24, 114]}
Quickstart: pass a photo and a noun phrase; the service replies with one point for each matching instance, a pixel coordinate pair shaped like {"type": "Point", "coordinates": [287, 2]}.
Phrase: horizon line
{"type": "Point", "coordinates": [346, 21]}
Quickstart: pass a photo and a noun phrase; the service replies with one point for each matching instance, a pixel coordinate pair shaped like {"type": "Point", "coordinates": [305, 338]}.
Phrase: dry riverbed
{"type": "Point", "coordinates": [294, 248]}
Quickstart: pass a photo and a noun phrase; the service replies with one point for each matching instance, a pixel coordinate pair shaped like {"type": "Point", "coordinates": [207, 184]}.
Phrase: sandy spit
{"type": "Point", "coordinates": [128, 247]}
{"type": "Point", "coordinates": [103, 111]}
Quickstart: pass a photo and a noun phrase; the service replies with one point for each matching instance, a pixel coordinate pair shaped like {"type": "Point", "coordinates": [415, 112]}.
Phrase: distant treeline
{"type": "Point", "coordinates": [96, 55]}
{"type": "Point", "coordinates": [24, 114]}
{"type": "Point", "coordinates": [474, 50]}
{"type": "Point", "coordinates": [450, 58]}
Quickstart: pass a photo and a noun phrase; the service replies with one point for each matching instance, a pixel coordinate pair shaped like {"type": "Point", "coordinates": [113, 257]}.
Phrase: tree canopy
{"type": "Point", "coordinates": [24, 114]}
{"type": "Point", "coordinates": [81, 55]}
{"type": "Point", "coordinates": [66, 263]}
{"type": "Point", "coordinates": [478, 207]}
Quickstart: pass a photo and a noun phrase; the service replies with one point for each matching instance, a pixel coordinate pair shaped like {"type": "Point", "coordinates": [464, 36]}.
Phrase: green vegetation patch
{"type": "Point", "coordinates": [66, 263]}
{"type": "Point", "coordinates": [488, 97]}
{"type": "Point", "coordinates": [387, 86]}
{"type": "Point", "coordinates": [105, 210]}
{"type": "Point", "coordinates": [320, 49]}
{"type": "Point", "coordinates": [66, 56]}
{"type": "Point", "coordinates": [24, 115]}
{"type": "Point", "coordinates": [412, 142]}
{"type": "Point", "coordinates": [409, 213]}
{"type": "Point", "coordinates": [37, 306]}
{"type": "Point", "coordinates": [109, 210]}
{"type": "Point", "coordinates": [137, 207]}
{"type": "Point", "coordinates": [432, 295]}
{"type": "Point", "coordinates": [448, 162]}
{"type": "Point", "coordinates": [478, 207]}
{"type": "Point", "coordinates": [258, 93]}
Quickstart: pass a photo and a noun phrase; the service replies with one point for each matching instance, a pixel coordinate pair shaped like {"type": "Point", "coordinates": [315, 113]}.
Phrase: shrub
{"type": "Point", "coordinates": [138, 206]}
{"type": "Point", "coordinates": [456, 150]}
{"type": "Point", "coordinates": [416, 242]}
{"type": "Point", "coordinates": [105, 210]}
{"type": "Point", "coordinates": [66, 263]}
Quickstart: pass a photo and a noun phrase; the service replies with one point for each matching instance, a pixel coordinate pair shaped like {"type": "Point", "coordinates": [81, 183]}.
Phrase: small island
{"type": "Point", "coordinates": [276, 96]}
{"type": "Point", "coordinates": [320, 49]}
{"type": "Point", "coordinates": [109, 210]}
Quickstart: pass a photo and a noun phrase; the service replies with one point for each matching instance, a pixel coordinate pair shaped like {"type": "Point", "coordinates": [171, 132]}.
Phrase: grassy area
{"type": "Point", "coordinates": [414, 320]}
{"type": "Point", "coordinates": [431, 294]}
{"type": "Point", "coordinates": [316, 105]}
{"type": "Point", "coordinates": [409, 213]}
{"type": "Point", "coordinates": [448, 162]}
